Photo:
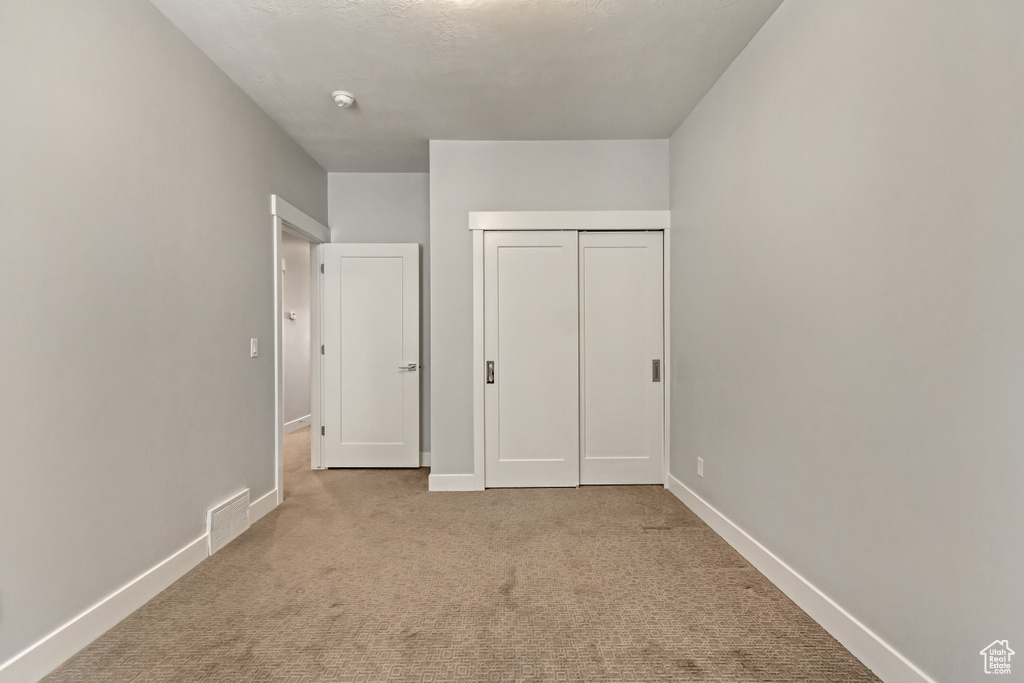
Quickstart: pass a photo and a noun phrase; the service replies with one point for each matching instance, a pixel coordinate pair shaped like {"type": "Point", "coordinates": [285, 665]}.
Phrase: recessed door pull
{"type": "Point", "coordinates": [655, 370]}
{"type": "Point", "coordinates": [490, 372]}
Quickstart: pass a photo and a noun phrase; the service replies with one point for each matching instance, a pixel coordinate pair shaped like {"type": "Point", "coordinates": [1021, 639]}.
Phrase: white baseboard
{"type": "Point", "coordinates": [425, 459]}
{"type": "Point", "coordinates": [875, 653]}
{"type": "Point", "coordinates": [50, 652]}
{"type": "Point", "coordinates": [262, 506]}
{"type": "Point", "coordinates": [452, 482]}
{"type": "Point", "coordinates": [53, 650]}
{"type": "Point", "coordinates": [295, 425]}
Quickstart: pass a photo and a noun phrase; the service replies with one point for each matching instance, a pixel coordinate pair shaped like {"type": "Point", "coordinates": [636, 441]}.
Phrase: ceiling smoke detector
{"type": "Point", "coordinates": [343, 99]}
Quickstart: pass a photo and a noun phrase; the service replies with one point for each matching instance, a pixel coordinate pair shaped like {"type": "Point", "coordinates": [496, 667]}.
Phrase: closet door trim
{"type": "Point", "coordinates": [570, 220]}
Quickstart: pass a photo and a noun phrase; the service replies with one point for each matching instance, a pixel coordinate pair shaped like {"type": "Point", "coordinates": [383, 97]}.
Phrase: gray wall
{"type": "Point", "coordinates": [848, 312]}
{"type": "Point", "coordinates": [295, 333]}
{"type": "Point", "coordinates": [389, 208]}
{"type": "Point", "coordinates": [135, 264]}
{"type": "Point", "coordinates": [510, 176]}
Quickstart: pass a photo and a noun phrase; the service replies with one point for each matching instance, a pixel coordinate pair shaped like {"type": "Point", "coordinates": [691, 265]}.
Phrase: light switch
{"type": "Point", "coordinates": [254, 347]}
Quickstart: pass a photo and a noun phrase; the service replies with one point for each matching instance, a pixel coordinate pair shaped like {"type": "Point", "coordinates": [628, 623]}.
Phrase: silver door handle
{"type": "Point", "coordinates": [411, 367]}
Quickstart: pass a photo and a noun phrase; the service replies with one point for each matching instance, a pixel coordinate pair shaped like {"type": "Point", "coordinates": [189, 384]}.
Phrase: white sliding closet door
{"type": "Point", "coordinates": [531, 334]}
{"type": "Point", "coordinates": [621, 354]}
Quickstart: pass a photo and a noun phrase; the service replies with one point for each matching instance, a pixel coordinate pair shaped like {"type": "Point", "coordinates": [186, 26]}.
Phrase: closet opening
{"type": "Point", "coordinates": [571, 378]}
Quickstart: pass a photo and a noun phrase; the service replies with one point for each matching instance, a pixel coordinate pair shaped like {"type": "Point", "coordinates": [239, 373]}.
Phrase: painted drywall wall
{"type": "Point", "coordinates": [389, 208]}
{"type": "Point", "coordinates": [136, 261]}
{"type": "Point", "coordinates": [510, 176]}
{"type": "Point", "coordinates": [295, 342]}
{"type": "Point", "coordinates": [848, 312]}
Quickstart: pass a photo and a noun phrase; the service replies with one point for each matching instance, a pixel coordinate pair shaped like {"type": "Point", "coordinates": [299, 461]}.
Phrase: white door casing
{"type": "Point", "coordinates": [621, 339]}
{"type": "Point", "coordinates": [371, 355]}
{"type": "Point", "coordinates": [531, 333]}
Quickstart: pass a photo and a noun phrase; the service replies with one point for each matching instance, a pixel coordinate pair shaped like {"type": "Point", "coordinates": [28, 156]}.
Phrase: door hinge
{"type": "Point", "coordinates": [321, 349]}
{"type": "Point", "coordinates": [323, 431]}
{"type": "Point", "coordinates": [321, 267]}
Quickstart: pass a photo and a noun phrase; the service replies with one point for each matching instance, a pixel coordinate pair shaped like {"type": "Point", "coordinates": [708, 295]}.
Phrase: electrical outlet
{"type": "Point", "coordinates": [700, 467]}
{"type": "Point", "coordinates": [254, 347]}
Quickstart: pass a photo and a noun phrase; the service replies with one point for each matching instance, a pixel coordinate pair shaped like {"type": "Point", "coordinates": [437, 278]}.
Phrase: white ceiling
{"type": "Point", "coordinates": [468, 69]}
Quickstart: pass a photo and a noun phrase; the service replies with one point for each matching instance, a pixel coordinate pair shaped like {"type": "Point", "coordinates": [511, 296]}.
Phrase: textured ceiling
{"type": "Point", "coordinates": [468, 69]}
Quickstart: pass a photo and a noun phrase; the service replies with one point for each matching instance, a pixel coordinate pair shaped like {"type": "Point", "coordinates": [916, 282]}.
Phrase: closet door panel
{"type": "Point", "coordinates": [621, 341]}
{"type": "Point", "coordinates": [531, 333]}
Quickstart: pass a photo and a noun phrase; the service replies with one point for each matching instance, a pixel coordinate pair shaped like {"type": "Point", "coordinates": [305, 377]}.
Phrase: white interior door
{"type": "Point", "coordinates": [531, 334]}
{"type": "Point", "coordinates": [621, 342]}
{"type": "Point", "coordinates": [371, 355]}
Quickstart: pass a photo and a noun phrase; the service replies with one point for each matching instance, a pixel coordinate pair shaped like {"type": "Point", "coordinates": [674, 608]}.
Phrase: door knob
{"type": "Point", "coordinates": [411, 367]}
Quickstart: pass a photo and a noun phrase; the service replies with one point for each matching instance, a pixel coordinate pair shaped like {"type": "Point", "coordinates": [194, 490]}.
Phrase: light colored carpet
{"type": "Point", "coordinates": [362, 575]}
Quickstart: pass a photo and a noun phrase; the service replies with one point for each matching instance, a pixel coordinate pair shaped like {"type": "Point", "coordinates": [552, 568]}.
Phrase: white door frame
{"type": "Point", "coordinates": [481, 221]}
{"type": "Point", "coordinates": [293, 221]}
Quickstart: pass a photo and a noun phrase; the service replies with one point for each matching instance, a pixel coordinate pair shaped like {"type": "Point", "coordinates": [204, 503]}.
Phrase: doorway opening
{"type": "Point", "coordinates": [296, 239]}
{"type": "Point", "coordinates": [296, 351]}
{"type": "Point", "coordinates": [295, 331]}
